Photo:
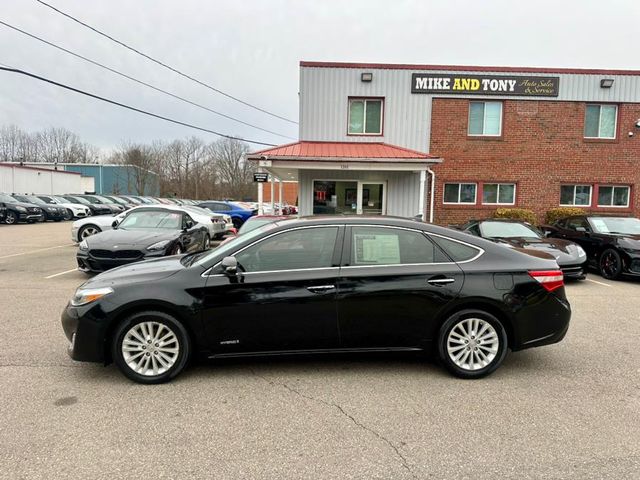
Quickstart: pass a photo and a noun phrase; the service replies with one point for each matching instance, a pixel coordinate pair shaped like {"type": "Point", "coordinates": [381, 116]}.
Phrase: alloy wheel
{"type": "Point", "coordinates": [11, 218]}
{"type": "Point", "coordinates": [207, 243]}
{"type": "Point", "coordinates": [68, 214]}
{"type": "Point", "coordinates": [609, 264]}
{"type": "Point", "coordinates": [472, 344]}
{"type": "Point", "coordinates": [150, 348]}
{"type": "Point", "coordinates": [88, 231]}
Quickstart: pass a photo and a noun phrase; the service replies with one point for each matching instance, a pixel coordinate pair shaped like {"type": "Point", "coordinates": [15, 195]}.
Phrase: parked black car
{"type": "Point", "coordinates": [141, 235]}
{"type": "Point", "coordinates": [316, 285]}
{"type": "Point", "coordinates": [18, 211]}
{"type": "Point", "coordinates": [96, 208]}
{"type": "Point", "coordinates": [51, 212]}
{"type": "Point", "coordinates": [3, 212]}
{"type": "Point", "coordinates": [108, 203]}
{"type": "Point", "coordinates": [570, 256]}
{"type": "Point", "coordinates": [612, 243]}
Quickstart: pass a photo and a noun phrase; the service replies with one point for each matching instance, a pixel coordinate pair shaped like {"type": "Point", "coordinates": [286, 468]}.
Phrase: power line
{"type": "Point", "coordinates": [35, 37]}
{"type": "Point", "coordinates": [175, 70]}
{"type": "Point", "coordinates": [129, 107]}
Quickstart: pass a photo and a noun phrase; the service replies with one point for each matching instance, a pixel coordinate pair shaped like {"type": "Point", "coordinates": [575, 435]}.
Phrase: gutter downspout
{"type": "Point", "coordinates": [432, 185]}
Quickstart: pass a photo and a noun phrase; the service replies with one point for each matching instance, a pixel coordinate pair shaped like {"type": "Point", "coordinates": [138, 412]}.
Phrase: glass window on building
{"type": "Point", "coordinates": [613, 196]}
{"type": "Point", "coordinates": [499, 193]}
{"type": "Point", "coordinates": [485, 118]}
{"type": "Point", "coordinates": [600, 121]}
{"type": "Point", "coordinates": [460, 193]}
{"type": "Point", "coordinates": [365, 116]}
{"type": "Point", "coordinates": [575, 195]}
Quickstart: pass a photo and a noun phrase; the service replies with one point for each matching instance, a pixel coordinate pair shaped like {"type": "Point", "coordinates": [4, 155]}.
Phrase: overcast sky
{"type": "Point", "coordinates": [251, 49]}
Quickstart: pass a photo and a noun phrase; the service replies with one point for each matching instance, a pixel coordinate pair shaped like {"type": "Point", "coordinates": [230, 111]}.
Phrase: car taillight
{"type": "Point", "coordinates": [549, 279]}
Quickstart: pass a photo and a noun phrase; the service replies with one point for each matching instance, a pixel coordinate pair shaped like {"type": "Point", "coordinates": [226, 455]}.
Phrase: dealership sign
{"type": "Point", "coordinates": [260, 177]}
{"type": "Point", "coordinates": [485, 85]}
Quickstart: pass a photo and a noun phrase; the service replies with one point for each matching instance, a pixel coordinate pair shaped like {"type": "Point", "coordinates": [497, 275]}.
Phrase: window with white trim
{"type": "Point", "coordinates": [464, 193]}
{"type": "Point", "coordinates": [613, 196]}
{"type": "Point", "coordinates": [499, 193]}
{"type": "Point", "coordinates": [365, 116]}
{"type": "Point", "coordinates": [600, 121]}
{"type": "Point", "coordinates": [485, 119]}
{"type": "Point", "coordinates": [575, 195]}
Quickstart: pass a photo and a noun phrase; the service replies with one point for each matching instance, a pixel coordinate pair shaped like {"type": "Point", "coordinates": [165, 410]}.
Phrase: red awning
{"type": "Point", "coordinates": [333, 151]}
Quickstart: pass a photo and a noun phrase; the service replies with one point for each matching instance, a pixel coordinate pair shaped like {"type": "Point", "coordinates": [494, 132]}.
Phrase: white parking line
{"type": "Point", "coordinates": [599, 283]}
{"type": "Point", "coordinates": [62, 273]}
{"type": "Point", "coordinates": [36, 251]}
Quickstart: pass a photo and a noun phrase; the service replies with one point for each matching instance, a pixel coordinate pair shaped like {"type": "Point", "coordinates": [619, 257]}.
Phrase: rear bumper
{"type": "Point", "coordinates": [543, 322]}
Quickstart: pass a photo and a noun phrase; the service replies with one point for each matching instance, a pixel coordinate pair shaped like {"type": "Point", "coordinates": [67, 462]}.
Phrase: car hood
{"type": "Point", "coordinates": [23, 204]}
{"type": "Point", "coordinates": [145, 271]}
{"type": "Point", "coordinates": [129, 238]}
{"type": "Point", "coordinates": [563, 251]}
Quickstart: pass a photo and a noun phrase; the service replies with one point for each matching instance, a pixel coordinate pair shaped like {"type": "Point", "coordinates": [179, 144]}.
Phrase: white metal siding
{"type": "Point", "coordinates": [324, 93]}
{"type": "Point", "coordinates": [403, 188]}
{"type": "Point", "coordinates": [28, 181]}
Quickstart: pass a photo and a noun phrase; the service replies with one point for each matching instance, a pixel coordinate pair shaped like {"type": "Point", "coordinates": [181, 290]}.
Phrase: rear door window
{"type": "Point", "coordinates": [391, 246]}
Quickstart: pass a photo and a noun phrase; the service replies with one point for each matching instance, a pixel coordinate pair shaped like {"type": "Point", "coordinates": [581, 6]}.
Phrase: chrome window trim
{"type": "Point", "coordinates": [480, 250]}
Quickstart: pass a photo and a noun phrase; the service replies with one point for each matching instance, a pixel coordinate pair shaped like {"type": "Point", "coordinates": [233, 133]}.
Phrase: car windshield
{"type": "Point", "coordinates": [115, 200]}
{"type": "Point", "coordinates": [7, 198]}
{"type": "Point", "coordinates": [229, 245]}
{"type": "Point", "coordinates": [36, 200]}
{"type": "Point", "coordinates": [60, 200]}
{"type": "Point", "coordinates": [22, 198]}
{"type": "Point", "coordinates": [508, 230]}
{"type": "Point", "coordinates": [48, 200]}
{"type": "Point", "coordinates": [624, 225]}
{"type": "Point", "coordinates": [94, 200]}
{"type": "Point", "coordinates": [82, 200]}
{"type": "Point", "coordinates": [152, 220]}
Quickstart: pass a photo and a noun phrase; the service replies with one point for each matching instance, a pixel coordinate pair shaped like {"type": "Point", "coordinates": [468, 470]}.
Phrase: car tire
{"type": "Point", "coordinates": [177, 250]}
{"type": "Point", "coordinates": [457, 347]}
{"type": "Point", "coordinates": [237, 222]}
{"type": "Point", "coordinates": [143, 360]}
{"type": "Point", "coordinates": [206, 243]}
{"type": "Point", "coordinates": [87, 231]}
{"type": "Point", "coordinates": [68, 215]}
{"type": "Point", "coordinates": [610, 264]}
{"type": "Point", "coordinates": [11, 218]}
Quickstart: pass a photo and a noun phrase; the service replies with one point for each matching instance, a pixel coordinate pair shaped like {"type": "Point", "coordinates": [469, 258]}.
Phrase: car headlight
{"type": "Point", "coordinates": [20, 209]}
{"type": "Point", "coordinates": [84, 296]}
{"type": "Point", "coordinates": [159, 246]}
{"type": "Point", "coordinates": [83, 245]}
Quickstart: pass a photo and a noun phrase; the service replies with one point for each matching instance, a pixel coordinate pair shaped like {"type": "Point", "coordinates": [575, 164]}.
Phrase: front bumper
{"type": "Point", "coordinates": [31, 217]}
{"type": "Point", "coordinates": [85, 332]}
{"type": "Point", "coordinates": [573, 272]}
{"type": "Point", "coordinates": [88, 262]}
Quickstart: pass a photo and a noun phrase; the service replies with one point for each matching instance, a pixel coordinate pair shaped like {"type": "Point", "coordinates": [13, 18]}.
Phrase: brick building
{"type": "Point", "coordinates": [452, 143]}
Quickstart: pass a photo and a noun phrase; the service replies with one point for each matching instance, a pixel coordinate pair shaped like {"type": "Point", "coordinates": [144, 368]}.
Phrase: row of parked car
{"type": "Point", "coordinates": [608, 244]}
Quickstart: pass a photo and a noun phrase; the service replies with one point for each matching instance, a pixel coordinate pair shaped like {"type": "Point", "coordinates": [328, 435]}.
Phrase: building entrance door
{"type": "Point", "coordinates": [349, 197]}
{"type": "Point", "coordinates": [371, 198]}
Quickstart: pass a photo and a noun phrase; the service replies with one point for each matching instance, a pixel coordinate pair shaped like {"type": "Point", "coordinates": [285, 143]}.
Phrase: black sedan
{"type": "Point", "coordinates": [96, 208]}
{"type": "Point", "coordinates": [612, 243]}
{"type": "Point", "coordinates": [317, 285]}
{"type": "Point", "coordinates": [142, 235]}
{"type": "Point", "coordinates": [570, 256]}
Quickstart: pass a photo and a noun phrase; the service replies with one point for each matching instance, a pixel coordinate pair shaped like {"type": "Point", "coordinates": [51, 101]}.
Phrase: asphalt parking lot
{"type": "Point", "coordinates": [570, 410]}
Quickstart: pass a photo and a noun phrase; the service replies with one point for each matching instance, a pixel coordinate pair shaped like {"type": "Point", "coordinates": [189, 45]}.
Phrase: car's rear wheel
{"type": "Point", "coordinates": [11, 219]}
{"type": "Point", "coordinates": [68, 214]}
{"type": "Point", "coordinates": [151, 347]}
{"type": "Point", "coordinates": [88, 230]}
{"type": "Point", "coordinates": [177, 250]}
{"type": "Point", "coordinates": [472, 344]}
{"type": "Point", "coordinates": [610, 265]}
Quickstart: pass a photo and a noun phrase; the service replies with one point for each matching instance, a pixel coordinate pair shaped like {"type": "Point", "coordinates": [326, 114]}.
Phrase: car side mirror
{"type": "Point", "coordinates": [188, 225]}
{"type": "Point", "coordinates": [581, 229]}
{"type": "Point", "coordinates": [114, 224]}
{"type": "Point", "coordinates": [229, 265]}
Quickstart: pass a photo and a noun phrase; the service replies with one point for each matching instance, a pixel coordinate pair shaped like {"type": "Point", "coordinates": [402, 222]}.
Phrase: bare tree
{"type": "Point", "coordinates": [60, 145]}
{"type": "Point", "coordinates": [234, 172]}
{"type": "Point", "coordinates": [140, 162]}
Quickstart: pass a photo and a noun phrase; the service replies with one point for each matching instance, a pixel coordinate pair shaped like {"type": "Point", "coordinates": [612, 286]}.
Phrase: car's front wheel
{"type": "Point", "coordinates": [610, 265]}
{"type": "Point", "coordinates": [472, 344]}
{"type": "Point", "coordinates": [151, 347]}
{"type": "Point", "coordinates": [11, 218]}
{"type": "Point", "coordinates": [87, 231]}
{"type": "Point", "coordinates": [68, 215]}
{"type": "Point", "coordinates": [206, 243]}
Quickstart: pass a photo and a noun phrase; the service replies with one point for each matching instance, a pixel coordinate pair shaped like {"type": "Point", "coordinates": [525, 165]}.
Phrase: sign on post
{"type": "Point", "coordinates": [260, 177]}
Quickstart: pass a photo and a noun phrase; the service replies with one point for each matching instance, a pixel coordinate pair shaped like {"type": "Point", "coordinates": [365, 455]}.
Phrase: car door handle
{"type": "Point", "coordinates": [440, 280]}
{"type": "Point", "coordinates": [321, 288]}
